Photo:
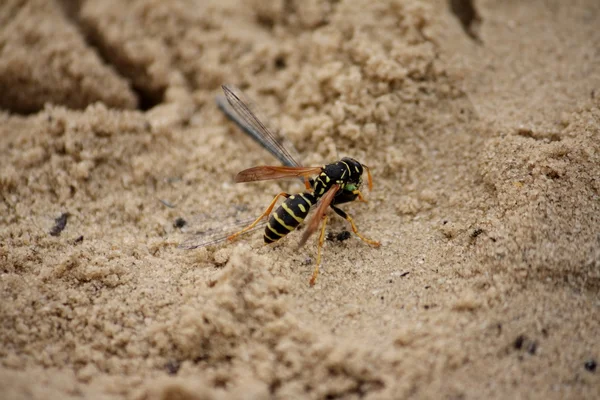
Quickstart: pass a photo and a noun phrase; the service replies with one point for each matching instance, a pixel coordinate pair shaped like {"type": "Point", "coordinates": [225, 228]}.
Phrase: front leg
{"type": "Point", "coordinates": [348, 218]}
{"type": "Point", "coordinates": [360, 196]}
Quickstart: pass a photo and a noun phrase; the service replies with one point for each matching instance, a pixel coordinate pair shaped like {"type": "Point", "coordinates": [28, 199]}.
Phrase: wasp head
{"type": "Point", "coordinates": [353, 178]}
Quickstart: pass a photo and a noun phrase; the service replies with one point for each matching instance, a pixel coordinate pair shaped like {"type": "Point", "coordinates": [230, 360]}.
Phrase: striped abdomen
{"type": "Point", "coordinates": [288, 216]}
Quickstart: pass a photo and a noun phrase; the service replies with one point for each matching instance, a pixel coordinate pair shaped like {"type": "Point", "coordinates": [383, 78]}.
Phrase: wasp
{"type": "Point", "coordinates": [327, 186]}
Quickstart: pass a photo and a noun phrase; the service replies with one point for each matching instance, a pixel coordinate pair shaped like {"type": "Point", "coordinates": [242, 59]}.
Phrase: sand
{"type": "Point", "coordinates": [480, 122]}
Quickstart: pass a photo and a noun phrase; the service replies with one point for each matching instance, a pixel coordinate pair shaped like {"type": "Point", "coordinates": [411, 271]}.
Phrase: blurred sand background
{"type": "Point", "coordinates": [481, 124]}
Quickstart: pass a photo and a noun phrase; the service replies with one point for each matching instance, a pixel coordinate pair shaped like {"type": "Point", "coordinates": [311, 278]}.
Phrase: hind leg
{"type": "Point", "coordinates": [313, 278]}
{"type": "Point", "coordinates": [263, 215]}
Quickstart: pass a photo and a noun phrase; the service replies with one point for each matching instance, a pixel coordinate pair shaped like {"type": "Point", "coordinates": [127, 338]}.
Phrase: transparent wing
{"type": "Point", "coordinates": [241, 110]}
{"type": "Point", "coordinates": [215, 229]}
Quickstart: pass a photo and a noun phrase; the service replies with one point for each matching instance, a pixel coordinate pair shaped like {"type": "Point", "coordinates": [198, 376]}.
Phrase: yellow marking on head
{"type": "Point", "coordinates": [289, 228]}
{"type": "Point", "coordinates": [348, 167]}
{"type": "Point", "coordinates": [291, 212]}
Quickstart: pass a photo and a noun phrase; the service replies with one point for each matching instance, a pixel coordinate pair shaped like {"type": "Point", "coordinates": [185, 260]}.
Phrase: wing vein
{"type": "Point", "coordinates": [245, 117]}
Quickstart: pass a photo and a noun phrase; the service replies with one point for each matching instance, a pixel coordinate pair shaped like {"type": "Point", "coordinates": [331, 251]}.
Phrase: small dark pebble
{"type": "Point", "coordinates": [343, 235]}
{"type": "Point", "coordinates": [590, 365]}
{"type": "Point", "coordinates": [179, 223]}
{"type": "Point", "coordinates": [476, 233]}
{"type": "Point", "coordinates": [522, 342]}
{"type": "Point", "coordinates": [406, 273]}
{"type": "Point", "coordinates": [390, 281]}
{"type": "Point", "coordinates": [172, 367]}
{"type": "Point", "coordinates": [79, 239]}
{"type": "Point", "coordinates": [426, 306]}
{"type": "Point", "coordinates": [427, 287]}
{"type": "Point", "coordinates": [519, 342]}
{"type": "Point", "coordinates": [444, 222]}
{"type": "Point", "coordinates": [280, 62]}
{"type": "Point", "coordinates": [340, 237]}
{"type": "Point", "coordinates": [59, 224]}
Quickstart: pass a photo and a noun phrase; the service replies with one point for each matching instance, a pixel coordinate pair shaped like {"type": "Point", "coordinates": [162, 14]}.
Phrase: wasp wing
{"type": "Point", "coordinates": [214, 235]}
{"type": "Point", "coordinates": [264, 173]}
{"type": "Point", "coordinates": [241, 110]}
{"type": "Point", "coordinates": [322, 205]}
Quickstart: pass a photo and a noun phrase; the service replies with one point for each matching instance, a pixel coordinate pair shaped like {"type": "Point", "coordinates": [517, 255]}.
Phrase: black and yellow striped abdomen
{"type": "Point", "coordinates": [288, 216]}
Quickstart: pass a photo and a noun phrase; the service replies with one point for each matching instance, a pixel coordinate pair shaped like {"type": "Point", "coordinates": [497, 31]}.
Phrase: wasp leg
{"type": "Point", "coordinates": [313, 279]}
{"type": "Point", "coordinates": [263, 215]}
{"type": "Point", "coordinates": [348, 218]}
{"type": "Point", "coordinates": [360, 197]}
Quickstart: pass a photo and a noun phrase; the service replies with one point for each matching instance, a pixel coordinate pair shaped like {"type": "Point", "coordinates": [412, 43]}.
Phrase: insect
{"type": "Point", "coordinates": [333, 184]}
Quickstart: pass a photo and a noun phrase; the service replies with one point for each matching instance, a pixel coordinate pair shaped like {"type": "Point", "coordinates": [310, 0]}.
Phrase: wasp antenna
{"type": "Point", "coordinates": [369, 177]}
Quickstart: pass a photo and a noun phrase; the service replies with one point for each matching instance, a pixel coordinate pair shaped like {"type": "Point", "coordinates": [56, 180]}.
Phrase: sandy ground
{"type": "Point", "coordinates": [483, 136]}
